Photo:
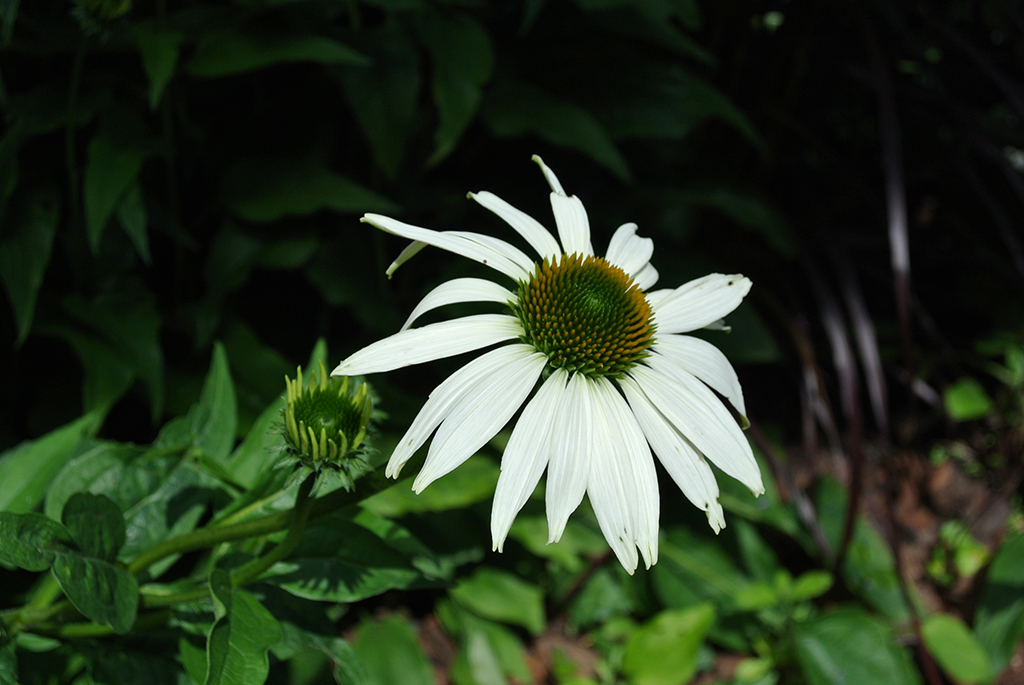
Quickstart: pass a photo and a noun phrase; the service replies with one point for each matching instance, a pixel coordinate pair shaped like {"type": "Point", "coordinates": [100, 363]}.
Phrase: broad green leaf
{"type": "Point", "coordinates": [810, 585]}
{"type": "Point", "coordinates": [664, 650]}
{"type": "Point", "coordinates": [999, 622]}
{"type": "Point", "coordinates": [391, 654]}
{"type": "Point", "coordinates": [601, 598]}
{"type": "Point", "coordinates": [24, 253]}
{"type": "Point", "coordinates": [27, 469]}
{"type": "Point", "coordinates": [128, 320]}
{"type": "Point", "coordinates": [693, 569]}
{"type": "Point", "coordinates": [214, 419]}
{"type": "Point", "coordinates": [193, 658]}
{"type": "Point", "coordinates": [384, 94]}
{"type": "Point", "coordinates": [501, 596]}
{"type": "Point", "coordinates": [29, 541]}
{"type": "Point", "coordinates": [103, 591]}
{"type": "Point", "coordinates": [236, 648]}
{"type": "Point", "coordinates": [489, 652]}
{"type": "Point", "coordinates": [758, 557]}
{"type": "Point", "coordinates": [112, 165]}
{"type": "Point", "coordinates": [339, 561]}
{"type": "Point", "coordinates": [267, 189]}
{"type": "Point", "coordinates": [848, 645]}
{"type": "Point", "coordinates": [471, 482]}
{"type": "Point", "coordinates": [955, 648]}
{"type": "Point", "coordinates": [518, 109]}
{"type": "Point", "coordinates": [224, 53]}
{"type": "Point", "coordinates": [462, 58]}
{"type": "Point", "coordinates": [578, 543]}
{"type": "Point", "coordinates": [158, 47]}
{"type": "Point", "coordinates": [96, 524]}
{"type": "Point", "coordinates": [966, 400]}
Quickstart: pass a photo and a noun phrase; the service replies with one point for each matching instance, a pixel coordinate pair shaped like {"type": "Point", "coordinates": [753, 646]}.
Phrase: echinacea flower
{"type": "Point", "coordinates": [617, 377]}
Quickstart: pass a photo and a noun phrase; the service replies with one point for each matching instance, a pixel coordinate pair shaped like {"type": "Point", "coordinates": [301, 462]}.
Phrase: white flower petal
{"type": "Point", "coordinates": [526, 455]}
{"type": "Point", "coordinates": [480, 413]}
{"type": "Point", "coordinates": [706, 362]}
{"type": "Point", "coordinates": [410, 251]}
{"type": "Point", "coordinates": [488, 250]}
{"type": "Point", "coordinates": [434, 341]}
{"type": "Point", "coordinates": [684, 463]}
{"type": "Point", "coordinates": [569, 466]}
{"type": "Point", "coordinates": [549, 175]}
{"type": "Point", "coordinates": [628, 251]}
{"type": "Point", "coordinates": [700, 302]}
{"type": "Point", "coordinates": [445, 396]}
{"type": "Point", "coordinates": [623, 485]}
{"type": "Point", "coordinates": [573, 225]}
{"type": "Point", "coordinates": [701, 417]}
{"type": "Point", "coordinates": [646, 277]}
{"type": "Point", "coordinates": [540, 238]}
{"type": "Point", "coordinates": [460, 290]}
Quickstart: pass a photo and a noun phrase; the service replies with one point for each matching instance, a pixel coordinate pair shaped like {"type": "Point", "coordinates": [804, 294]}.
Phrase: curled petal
{"type": "Point", "coordinates": [698, 303]}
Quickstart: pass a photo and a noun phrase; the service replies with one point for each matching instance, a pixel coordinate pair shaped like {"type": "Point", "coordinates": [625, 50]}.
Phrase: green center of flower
{"type": "Point", "coordinates": [324, 422]}
{"type": "Point", "coordinates": [586, 315]}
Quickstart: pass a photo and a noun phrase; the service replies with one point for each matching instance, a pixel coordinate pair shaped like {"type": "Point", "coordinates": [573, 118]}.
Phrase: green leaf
{"type": "Point", "coordinates": [24, 253]}
{"type": "Point", "coordinates": [267, 189]}
{"type": "Point", "coordinates": [955, 648]}
{"type": "Point", "coordinates": [471, 482]}
{"type": "Point", "coordinates": [159, 48]}
{"type": "Point", "coordinates": [214, 419]}
{"type": "Point", "coordinates": [518, 109]}
{"type": "Point", "coordinates": [602, 598]}
{"type": "Point", "coordinates": [193, 658]}
{"type": "Point", "coordinates": [26, 469]}
{"type": "Point", "coordinates": [999, 623]}
{"type": "Point", "coordinates": [29, 541]}
{"type": "Point", "coordinates": [501, 596]}
{"type": "Point", "coordinates": [8, 664]}
{"type": "Point", "coordinates": [391, 654]}
{"type": "Point", "coordinates": [966, 400]}
{"type": "Point", "coordinates": [693, 569]}
{"type": "Point", "coordinates": [849, 646]}
{"type": "Point", "coordinates": [462, 62]}
{"type": "Point", "coordinates": [96, 524]}
{"type": "Point", "coordinates": [384, 94]}
{"type": "Point", "coordinates": [224, 53]}
{"type": "Point", "coordinates": [236, 648]}
{"type": "Point", "coordinates": [131, 214]}
{"type": "Point", "coordinates": [127, 318]}
{"type": "Point", "coordinates": [664, 650]}
{"type": "Point", "coordinates": [339, 561]}
{"type": "Point", "coordinates": [108, 376]}
{"type": "Point", "coordinates": [104, 592]}
{"type": "Point", "coordinates": [810, 585]}
{"type": "Point", "coordinates": [112, 165]}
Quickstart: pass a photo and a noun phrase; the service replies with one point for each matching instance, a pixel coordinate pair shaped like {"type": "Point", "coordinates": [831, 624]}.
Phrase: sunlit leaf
{"type": "Point", "coordinates": [664, 650]}
{"type": "Point", "coordinates": [966, 400]}
{"type": "Point", "coordinates": [26, 469]}
{"type": "Point", "coordinates": [955, 648]}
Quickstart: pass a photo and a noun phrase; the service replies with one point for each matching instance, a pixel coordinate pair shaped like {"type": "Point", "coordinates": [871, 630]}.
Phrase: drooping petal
{"type": "Point", "coordinates": [623, 485]}
{"type": "Point", "coordinates": [684, 463]}
{"type": "Point", "coordinates": [444, 398]}
{"type": "Point", "coordinates": [434, 341]}
{"type": "Point", "coordinates": [569, 466]}
{"type": "Point", "coordinates": [460, 290]}
{"type": "Point", "coordinates": [701, 417]}
{"type": "Point", "coordinates": [573, 224]}
{"type": "Point", "coordinates": [628, 251]}
{"type": "Point", "coordinates": [495, 253]}
{"type": "Point", "coordinates": [699, 302]}
{"type": "Point", "coordinates": [540, 238]}
{"type": "Point", "coordinates": [410, 251]}
{"type": "Point", "coordinates": [706, 362]}
{"type": "Point", "coordinates": [549, 175]}
{"type": "Point", "coordinates": [526, 455]}
{"type": "Point", "coordinates": [480, 413]}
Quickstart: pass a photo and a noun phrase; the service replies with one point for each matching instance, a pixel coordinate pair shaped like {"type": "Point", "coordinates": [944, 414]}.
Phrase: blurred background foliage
{"type": "Point", "coordinates": [182, 172]}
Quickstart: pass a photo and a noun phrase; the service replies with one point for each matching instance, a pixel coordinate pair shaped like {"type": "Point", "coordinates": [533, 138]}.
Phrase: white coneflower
{"type": "Point", "coordinates": [617, 377]}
